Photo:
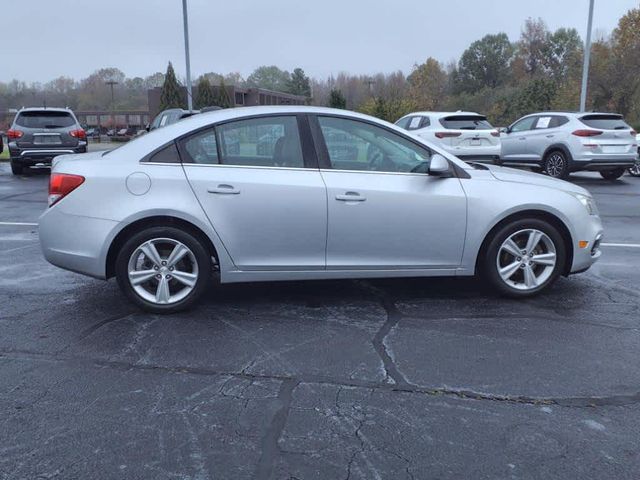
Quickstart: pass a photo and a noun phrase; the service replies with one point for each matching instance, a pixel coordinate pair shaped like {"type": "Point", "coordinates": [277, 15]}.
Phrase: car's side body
{"type": "Point", "coordinates": [304, 221]}
{"type": "Point", "coordinates": [467, 135]}
{"type": "Point", "coordinates": [589, 141]}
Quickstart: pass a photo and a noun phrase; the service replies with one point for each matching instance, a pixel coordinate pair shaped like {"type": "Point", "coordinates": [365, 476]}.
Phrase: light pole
{"type": "Point", "coordinates": [587, 57]}
{"type": "Point", "coordinates": [186, 53]}
{"type": "Point", "coordinates": [112, 83]}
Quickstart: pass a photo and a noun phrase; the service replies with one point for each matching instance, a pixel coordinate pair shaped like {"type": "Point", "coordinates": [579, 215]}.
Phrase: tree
{"type": "Point", "coordinates": [625, 59]}
{"type": "Point", "coordinates": [531, 46]}
{"type": "Point", "coordinates": [427, 84]}
{"type": "Point", "coordinates": [336, 99]}
{"type": "Point", "coordinates": [223, 96]}
{"type": "Point", "coordinates": [204, 94]}
{"type": "Point", "coordinates": [270, 78]}
{"type": "Point", "coordinates": [299, 84]}
{"type": "Point", "coordinates": [485, 63]}
{"type": "Point", "coordinates": [562, 54]}
{"type": "Point", "coordinates": [170, 97]}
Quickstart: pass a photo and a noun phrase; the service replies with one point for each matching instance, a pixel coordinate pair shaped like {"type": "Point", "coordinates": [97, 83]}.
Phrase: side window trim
{"type": "Point", "coordinates": [147, 158]}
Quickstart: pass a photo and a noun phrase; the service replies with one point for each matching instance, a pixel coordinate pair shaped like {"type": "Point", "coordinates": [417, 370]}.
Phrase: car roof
{"type": "Point", "coordinates": [443, 114]}
{"type": "Point", "coordinates": [571, 113]}
{"type": "Point", "coordinates": [45, 109]}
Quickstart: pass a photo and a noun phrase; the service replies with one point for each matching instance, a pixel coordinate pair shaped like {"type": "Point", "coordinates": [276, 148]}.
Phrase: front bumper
{"type": "Point", "coordinates": [74, 242]}
{"type": "Point", "coordinates": [590, 231]}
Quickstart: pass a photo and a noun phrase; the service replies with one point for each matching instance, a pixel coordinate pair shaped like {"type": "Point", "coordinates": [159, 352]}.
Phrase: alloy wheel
{"type": "Point", "coordinates": [163, 271]}
{"type": "Point", "coordinates": [555, 165]}
{"type": "Point", "coordinates": [635, 170]}
{"type": "Point", "coordinates": [526, 259]}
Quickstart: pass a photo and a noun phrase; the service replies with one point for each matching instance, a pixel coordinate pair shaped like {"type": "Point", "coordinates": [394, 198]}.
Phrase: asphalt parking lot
{"type": "Point", "coordinates": [433, 378]}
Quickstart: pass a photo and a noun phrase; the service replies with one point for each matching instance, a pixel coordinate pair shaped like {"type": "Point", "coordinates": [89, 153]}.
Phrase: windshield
{"type": "Point", "coordinates": [45, 119]}
{"type": "Point", "coordinates": [466, 122]}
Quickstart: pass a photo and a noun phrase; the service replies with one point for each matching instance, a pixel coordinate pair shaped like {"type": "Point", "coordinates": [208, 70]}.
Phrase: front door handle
{"type": "Point", "coordinates": [351, 197]}
{"type": "Point", "coordinates": [224, 189]}
{"type": "Point", "coordinates": [522, 138]}
{"type": "Point", "coordinates": [550, 136]}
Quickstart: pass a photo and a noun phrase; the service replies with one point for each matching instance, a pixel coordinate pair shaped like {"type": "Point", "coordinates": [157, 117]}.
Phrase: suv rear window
{"type": "Point", "coordinates": [45, 119]}
{"type": "Point", "coordinates": [466, 122]}
{"type": "Point", "coordinates": [605, 122]}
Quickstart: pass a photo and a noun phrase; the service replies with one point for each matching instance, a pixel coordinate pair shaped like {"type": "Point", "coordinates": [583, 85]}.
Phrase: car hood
{"type": "Point", "coordinates": [522, 176]}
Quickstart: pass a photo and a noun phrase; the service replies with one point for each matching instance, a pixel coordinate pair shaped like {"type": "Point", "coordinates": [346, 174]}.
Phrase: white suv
{"type": "Point", "coordinates": [563, 142]}
{"type": "Point", "coordinates": [467, 135]}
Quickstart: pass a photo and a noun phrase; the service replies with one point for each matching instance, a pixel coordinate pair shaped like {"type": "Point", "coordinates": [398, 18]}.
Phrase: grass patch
{"type": "Point", "coordinates": [4, 156]}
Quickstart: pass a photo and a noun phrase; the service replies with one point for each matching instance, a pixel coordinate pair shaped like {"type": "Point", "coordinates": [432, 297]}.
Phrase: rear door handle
{"type": "Point", "coordinates": [351, 197]}
{"type": "Point", "coordinates": [522, 138]}
{"type": "Point", "coordinates": [550, 136]}
{"type": "Point", "coordinates": [224, 189]}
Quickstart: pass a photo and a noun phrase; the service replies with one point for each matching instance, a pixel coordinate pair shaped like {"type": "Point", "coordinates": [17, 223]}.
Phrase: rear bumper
{"type": "Point", "coordinates": [75, 242]}
{"type": "Point", "coordinates": [34, 156]}
{"type": "Point", "coordinates": [603, 162]}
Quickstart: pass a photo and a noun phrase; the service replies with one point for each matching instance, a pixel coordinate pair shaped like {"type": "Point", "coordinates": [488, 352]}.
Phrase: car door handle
{"type": "Point", "coordinates": [550, 136]}
{"type": "Point", "coordinates": [522, 138]}
{"type": "Point", "coordinates": [351, 197]}
{"type": "Point", "coordinates": [224, 189]}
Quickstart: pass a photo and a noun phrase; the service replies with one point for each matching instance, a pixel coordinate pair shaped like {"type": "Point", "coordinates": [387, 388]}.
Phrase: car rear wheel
{"type": "Point", "coordinates": [614, 174]}
{"type": "Point", "coordinates": [556, 165]}
{"type": "Point", "coordinates": [524, 257]}
{"type": "Point", "coordinates": [163, 269]}
{"type": "Point", "coordinates": [635, 170]}
{"type": "Point", "coordinates": [16, 169]}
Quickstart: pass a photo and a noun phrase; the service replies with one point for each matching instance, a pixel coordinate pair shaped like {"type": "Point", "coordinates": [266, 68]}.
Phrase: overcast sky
{"type": "Point", "coordinates": [75, 37]}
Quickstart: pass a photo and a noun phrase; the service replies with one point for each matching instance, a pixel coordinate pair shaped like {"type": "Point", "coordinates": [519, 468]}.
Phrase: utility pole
{"type": "Point", "coordinates": [186, 53]}
{"type": "Point", "coordinates": [112, 83]}
{"type": "Point", "coordinates": [587, 57]}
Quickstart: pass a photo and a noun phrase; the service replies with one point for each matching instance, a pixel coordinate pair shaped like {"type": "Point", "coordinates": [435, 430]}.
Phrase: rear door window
{"type": "Point", "coordinates": [605, 122]}
{"type": "Point", "coordinates": [466, 122]}
{"type": "Point", "coordinates": [45, 119]}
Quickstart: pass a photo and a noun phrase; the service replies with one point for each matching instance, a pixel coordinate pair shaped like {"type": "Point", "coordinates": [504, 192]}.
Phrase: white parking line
{"type": "Point", "coordinates": [19, 224]}
{"type": "Point", "coordinates": [621, 245]}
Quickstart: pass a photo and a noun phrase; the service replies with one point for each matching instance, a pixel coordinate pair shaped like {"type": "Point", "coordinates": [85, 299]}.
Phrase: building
{"type": "Point", "coordinates": [239, 96]}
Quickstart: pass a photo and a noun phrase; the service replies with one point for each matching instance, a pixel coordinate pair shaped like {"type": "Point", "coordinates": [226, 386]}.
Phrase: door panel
{"type": "Point", "coordinates": [515, 144]}
{"type": "Point", "coordinates": [394, 220]}
{"type": "Point", "coordinates": [250, 178]}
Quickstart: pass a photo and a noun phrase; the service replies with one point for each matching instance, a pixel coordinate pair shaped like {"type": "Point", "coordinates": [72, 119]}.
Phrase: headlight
{"type": "Point", "coordinates": [588, 203]}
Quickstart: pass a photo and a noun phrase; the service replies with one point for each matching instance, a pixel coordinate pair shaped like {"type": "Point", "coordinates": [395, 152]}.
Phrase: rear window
{"type": "Point", "coordinates": [605, 122]}
{"type": "Point", "coordinates": [466, 122]}
{"type": "Point", "coordinates": [45, 119]}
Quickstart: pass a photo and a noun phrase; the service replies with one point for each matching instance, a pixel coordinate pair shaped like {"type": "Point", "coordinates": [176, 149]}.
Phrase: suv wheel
{"type": "Point", "coordinates": [163, 269]}
{"type": "Point", "coordinates": [614, 174]}
{"type": "Point", "coordinates": [16, 169]}
{"type": "Point", "coordinates": [556, 165]}
{"type": "Point", "coordinates": [524, 257]}
{"type": "Point", "coordinates": [635, 170]}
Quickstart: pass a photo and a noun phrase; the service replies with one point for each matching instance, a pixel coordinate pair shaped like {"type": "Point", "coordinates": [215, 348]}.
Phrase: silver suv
{"type": "Point", "coordinates": [561, 142]}
{"type": "Point", "coordinates": [37, 135]}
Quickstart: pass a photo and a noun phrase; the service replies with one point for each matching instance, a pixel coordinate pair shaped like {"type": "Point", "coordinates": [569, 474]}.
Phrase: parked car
{"type": "Point", "coordinates": [467, 135]}
{"type": "Point", "coordinates": [93, 132]}
{"type": "Point", "coordinates": [169, 208]}
{"type": "Point", "coordinates": [170, 116]}
{"type": "Point", "coordinates": [37, 135]}
{"type": "Point", "coordinates": [635, 170]}
{"type": "Point", "coordinates": [559, 143]}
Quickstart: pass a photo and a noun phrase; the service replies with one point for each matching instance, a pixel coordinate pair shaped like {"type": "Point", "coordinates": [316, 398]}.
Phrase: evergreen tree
{"type": "Point", "coordinates": [204, 94]}
{"type": "Point", "coordinates": [336, 99]}
{"type": "Point", "coordinates": [171, 96]}
{"type": "Point", "coordinates": [223, 96]}
{"type": "Point", "coordinates": [299, 84]}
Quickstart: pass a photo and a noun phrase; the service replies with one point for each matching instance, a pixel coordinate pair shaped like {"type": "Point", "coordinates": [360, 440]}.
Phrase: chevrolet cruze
{"type": "Point", "coordinates": [300, 193]}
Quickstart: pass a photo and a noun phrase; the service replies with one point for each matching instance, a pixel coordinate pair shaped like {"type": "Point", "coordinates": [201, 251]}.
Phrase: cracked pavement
{"type": "Point", "coordinates": [365, 379]}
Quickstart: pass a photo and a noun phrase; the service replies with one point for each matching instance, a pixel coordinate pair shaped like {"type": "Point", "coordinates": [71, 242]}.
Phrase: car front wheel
{"type": "Point", "coordinates": [556, 165]}
{"type": "Point", "coordinates": [524, 257]}
{"type": "Point", "coordinates": [614, 174]}
{"type": "Point", "coordinates": [163, 269]}
{"type": "Point", "coordinates": [16, 169]}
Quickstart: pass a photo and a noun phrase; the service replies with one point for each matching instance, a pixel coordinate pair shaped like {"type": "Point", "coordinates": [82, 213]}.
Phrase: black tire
{"type": "Point", "coordinates": [489, 259]}
{"type": "Point", "coordinates": [16, 169]}
{"type": "Point", "coordinates": [635, 170]}
{"type": "Point", "coordinates": [556, 164]}
{"type": "Point", "coordinates": [614, 174]}
{"type": "Point", "coordinates": [202, 258]}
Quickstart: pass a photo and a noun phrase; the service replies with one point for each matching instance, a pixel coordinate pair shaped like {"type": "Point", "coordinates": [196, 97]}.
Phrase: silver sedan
{"type": "Point", "coordinates": [299, 193]}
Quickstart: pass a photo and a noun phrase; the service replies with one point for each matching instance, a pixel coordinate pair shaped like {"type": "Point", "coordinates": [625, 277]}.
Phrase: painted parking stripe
{"type": "Point", "coordinates": [19, 224]}
{"type": "Point", "coordinates": [621, 245]}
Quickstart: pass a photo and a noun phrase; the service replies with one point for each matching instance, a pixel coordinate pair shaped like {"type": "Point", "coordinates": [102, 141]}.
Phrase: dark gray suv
{"type": "Point", "coordinates": [37, 135]}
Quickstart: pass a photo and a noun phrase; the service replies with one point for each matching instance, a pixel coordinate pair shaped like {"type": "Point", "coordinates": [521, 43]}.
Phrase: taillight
{"type": "Point", "coordinates": [586, 133]}
{"type": "Point", "coordinates": [13, 134]}
{"type": "Point", "coordinates": [61, 185]}
{"type": "Point", "coordinates": [80, 133]}
{"type": "Point", "coordinates": [447, 134]}
{"type": "Point", "coordinates": [495, 133]}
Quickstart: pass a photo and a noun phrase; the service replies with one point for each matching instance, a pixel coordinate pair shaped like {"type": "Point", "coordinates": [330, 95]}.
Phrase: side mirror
{"type": "Point", "coordinates": [504, 129]}
{"type": "Point", "coordinates": [147, 127]}
{"type": "Point", "coordinates": [439, 166]}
